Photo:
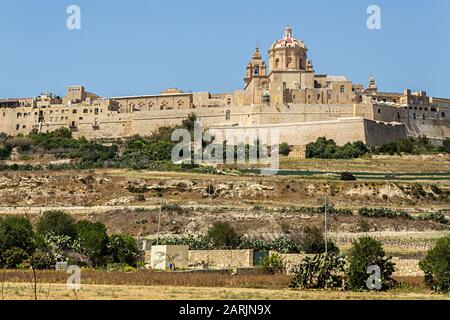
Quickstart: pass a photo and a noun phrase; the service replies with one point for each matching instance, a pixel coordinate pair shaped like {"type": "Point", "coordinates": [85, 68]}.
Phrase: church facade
{"type": "Point", "coordinates": [284, 93]}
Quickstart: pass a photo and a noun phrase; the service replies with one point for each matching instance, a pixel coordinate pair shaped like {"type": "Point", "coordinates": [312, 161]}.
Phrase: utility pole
{"type": "Point", "coordinates": [325, 234]}
{"type": "Point", "coordinates": [159, 220]}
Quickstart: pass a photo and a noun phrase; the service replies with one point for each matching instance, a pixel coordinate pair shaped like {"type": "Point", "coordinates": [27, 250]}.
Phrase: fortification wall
{"type": "Point", "coordinates": [340, 130]}
{"type": "Point", "coordinates": [222, 258]}
{"type": "Point", "coordinates": [378, 133]}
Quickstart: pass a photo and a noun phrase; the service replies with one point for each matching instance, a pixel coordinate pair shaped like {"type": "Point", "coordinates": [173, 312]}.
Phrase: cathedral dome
{"type": "Point", "coordinates": [288, 41]}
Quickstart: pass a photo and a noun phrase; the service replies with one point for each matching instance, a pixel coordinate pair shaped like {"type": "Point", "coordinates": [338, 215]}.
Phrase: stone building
{"type": "Point", "coordinates": [284, 93]}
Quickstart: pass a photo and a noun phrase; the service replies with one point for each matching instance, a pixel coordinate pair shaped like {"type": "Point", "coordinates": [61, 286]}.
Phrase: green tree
{"type": "Point", "coordinates": [313, 241]}
{"type": "Point", "coordinates": [222, 234]}
{"type": "Point", "coordinates": [123, 249]}
{"type": "Point", "coordinates": [57, 223]}
{"type": "Point", "coordinates": [436, 265]}
{"type": "Point", "coordinates": [285, 149]}
{"type": "Point", "coordinates": [364, 253]}
{"type": "Point", "coordinates": [14, 257]}
{"type": "Point", "coordinates": [93, 240]}
{"type": "Point", "coordinates": [15, 232]}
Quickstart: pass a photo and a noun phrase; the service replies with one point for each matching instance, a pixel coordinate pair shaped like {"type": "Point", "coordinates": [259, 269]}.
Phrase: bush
{"type": "Point", "coordinates": [222, 234]}
{"type": "Point", "coordinates": [15, 232]}
{"type": "Point", "coordinates": [411, 145]}
{"type": "Point", "coordinates": [272, 264]}
{"type": "Point", "coordinates": [123, 250]}
{"type": "Point", "coordinates": [285, 149]}
{"type": "Point", "coordinates": [383, 213]}
{"type": "Point", "coordinates": [347, 176]}
{"type": "Point", "coordinates": [433, 216]}
{"type": "Point", "coordinates": [445, 146]}
{"type": "Point", "coordinates": [14, 257]}
{"type": "Point", "coordinates": [42, 260]}
{"type": "Point", "coordinates": [93, 240]}
{"type": "Point", "coordinates": [313, 241]}
{"type": "Point", "coordinates": [167, 206]}
{"type": "Point", "coordinates": [327, 149]}
{"type": "Point", "coordinates": [57, 223]}
{"type": "Point", "coordinates": [5, 152]}
{"type": "Point", "coordinates": [436, 265]}
{"type": "Point", "coordinates": [364, 253]}
{"type": "Point", "coordinates": [322, 271]}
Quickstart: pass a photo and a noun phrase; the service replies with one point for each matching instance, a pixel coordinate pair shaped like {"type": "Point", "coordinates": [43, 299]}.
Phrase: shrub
{"type": "Point", "coordinates": [42, 260]}
{"type": "Point", "coordinates": [57, 223]}
{"type": "Point", "coordinates": [313, 241]}
{"type": "Point", "coordinates": [93, 240]}
{"type": "Point", "coordinates": [364, 253]}
{"type": "Point", "coordinates": [322, 271]}
{"type": "Point", "coordinates": [15, 232]}
{"type": "Point", "coordinates": [283, 245]}
{"type": "Point", "coordinates": [14, 257]}
{"type": "Point", "coordinates": [5, 152]}
{"type": "Point", "coordinates": [123, 250]}
{"type": "Point", "coordinates": [285, 149]}
{"type": "Point", "coordinates": [383, 213]}
{"type": "Point", "coordinates": [433, 216]}
{"type": "Point", "coordinates": [436, 265]}
{"type": "Point", "coordinates": [347, 176]}
{"type": "Point", "coordinates": [194, 243]}
{"type": "Point", "coordinates": [167, 206]}
{"type": "Point", "coordinates": [411, 145]}
{"type": "Point", "coordinates": [327, 149]}
{"type": "Point", "coordinates": [445, 146]}
{"type": "Point", "coordinates": [272, 264]}
{"type": "Point", "coordinates": [222, 234]}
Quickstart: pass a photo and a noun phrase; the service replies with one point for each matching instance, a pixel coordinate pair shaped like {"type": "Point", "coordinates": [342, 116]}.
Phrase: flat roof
{"type": "Point", "coordinates": [154, 95]}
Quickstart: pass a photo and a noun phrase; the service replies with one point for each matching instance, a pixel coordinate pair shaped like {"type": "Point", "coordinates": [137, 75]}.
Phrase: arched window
{"type": "Point", "coordinates": [289, 62]}
{"type": "Point", "coordinates": [256, 71]}
{"type": "Point", "coordinates": [277, 62]}
{"type": "Point", "coordinates": [228, 115]}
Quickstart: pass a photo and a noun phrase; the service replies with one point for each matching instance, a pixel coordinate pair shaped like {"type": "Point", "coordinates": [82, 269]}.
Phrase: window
{"type": "Point", "coordinates": [17, 126]}
{"type": "Point", "coordinates": [256, 71]}
{"type": "Point", "coordinates": [85, 111]}
{"type": "Point", "coordinates": [277, 62]}
{"type": "Point", "coordinates": [379, 111]}
{"type": "Point", "coordinates": [228, 115]}
{"type": "Point", "coordinates": [414, 116]}
{"type": "Point", "coordinates": [96, 110]}
{"type": "Point", "coordinates": [289, 62]}
{"type": "Point", "coordinates": [74, 111]}
{"type": "Point", "coordinates": [342, 89]}
{"type": "Point", "coordinates": [443, 114]}
{"type": "Point", "coordinates": [423, 117]}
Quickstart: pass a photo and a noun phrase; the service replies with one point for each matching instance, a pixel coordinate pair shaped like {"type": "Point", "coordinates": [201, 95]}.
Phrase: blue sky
{"type": "Point", "coordinates": [142, 47]}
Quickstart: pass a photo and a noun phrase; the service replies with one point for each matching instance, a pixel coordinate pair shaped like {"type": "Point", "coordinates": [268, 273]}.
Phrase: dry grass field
{"type": "Point", "coordinates": [24, 291]}
{"type": "Point", "coordinates": [149, 285]}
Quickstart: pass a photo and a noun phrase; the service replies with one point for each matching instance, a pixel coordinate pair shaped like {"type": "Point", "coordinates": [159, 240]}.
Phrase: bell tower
{"type": "Point", "coordinates": [256, 67]}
